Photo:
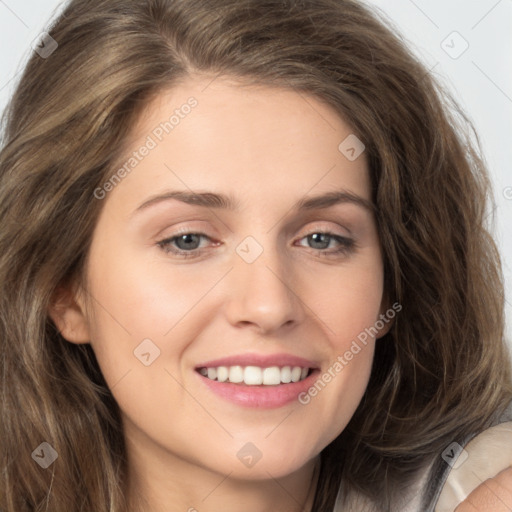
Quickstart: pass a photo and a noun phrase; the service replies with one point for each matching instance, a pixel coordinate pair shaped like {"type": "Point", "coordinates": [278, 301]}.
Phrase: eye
{"type": "Point", "coordinates": [322, 240]}
{"type": "Point", "coordinates": [184, 244]}
{"type": "Point", "coordinates": [188, 244]}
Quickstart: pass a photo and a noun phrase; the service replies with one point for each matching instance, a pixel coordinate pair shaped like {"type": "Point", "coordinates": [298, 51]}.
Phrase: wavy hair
{"type": "Point", "coordinates": [440, 374]}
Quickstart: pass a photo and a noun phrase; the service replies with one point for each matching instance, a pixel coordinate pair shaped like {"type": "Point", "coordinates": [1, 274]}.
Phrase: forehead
{"type": "Point", "coordinates": [258, 142]}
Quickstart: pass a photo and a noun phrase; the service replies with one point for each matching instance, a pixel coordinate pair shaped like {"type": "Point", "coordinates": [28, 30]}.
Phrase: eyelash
{"type": "Point", "coordinates": [347, 245]}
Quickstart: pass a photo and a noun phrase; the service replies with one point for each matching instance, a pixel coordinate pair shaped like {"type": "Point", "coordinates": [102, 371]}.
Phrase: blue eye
{"type": "Point", "coordinates": [188, 245]}
{"type": "Point", "coordinates": [321, 241]}
{"type": "Point", "coordinates": [189, 241]}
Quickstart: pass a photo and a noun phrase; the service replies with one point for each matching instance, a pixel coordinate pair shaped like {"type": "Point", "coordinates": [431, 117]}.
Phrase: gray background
{"type": "Point", "coordinates": [467, 45]}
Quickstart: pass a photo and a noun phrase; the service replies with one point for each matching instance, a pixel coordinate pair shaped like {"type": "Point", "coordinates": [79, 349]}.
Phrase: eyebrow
{"type": "Point", "coordinates": [228, 202]}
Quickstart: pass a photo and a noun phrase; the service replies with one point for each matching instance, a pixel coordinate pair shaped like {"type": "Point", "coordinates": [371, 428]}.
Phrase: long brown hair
{"type": "Point", "coordinates": [440, 374]}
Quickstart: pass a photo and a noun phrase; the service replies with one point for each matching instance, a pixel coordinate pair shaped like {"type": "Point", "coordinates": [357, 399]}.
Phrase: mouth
{"type": "Point", "coordinates": [255, 375]}
{"type": "Point", "coordinates": [258, 381]}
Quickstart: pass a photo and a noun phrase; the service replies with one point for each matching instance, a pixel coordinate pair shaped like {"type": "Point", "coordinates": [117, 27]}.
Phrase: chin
{"type": "Point", "coordinates": [257, 463]}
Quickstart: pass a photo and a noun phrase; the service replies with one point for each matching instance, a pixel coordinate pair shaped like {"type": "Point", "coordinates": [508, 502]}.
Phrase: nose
{"type": "Point", "coordinates": [262, 295]}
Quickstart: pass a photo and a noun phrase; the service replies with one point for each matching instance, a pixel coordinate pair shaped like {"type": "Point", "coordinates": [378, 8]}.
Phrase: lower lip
{"type": "Point", "coordinates": [262, 397]}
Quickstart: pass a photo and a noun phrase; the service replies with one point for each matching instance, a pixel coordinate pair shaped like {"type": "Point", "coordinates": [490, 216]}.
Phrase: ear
{"type": "Point", "coordinates": [67, 310]}
{"type": "Point", "coordinates": [387, 315]}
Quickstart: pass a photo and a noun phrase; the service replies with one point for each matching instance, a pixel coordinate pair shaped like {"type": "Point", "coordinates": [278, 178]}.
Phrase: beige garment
{"type": "Point", "coordinates": [484, 457]}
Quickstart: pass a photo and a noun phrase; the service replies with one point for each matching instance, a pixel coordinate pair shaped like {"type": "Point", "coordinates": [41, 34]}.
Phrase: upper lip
{"type": "Point", "coordinates": [261, 360]}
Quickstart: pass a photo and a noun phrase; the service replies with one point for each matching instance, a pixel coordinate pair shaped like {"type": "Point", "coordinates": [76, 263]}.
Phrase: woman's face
{"type": "Point", "coordinates": [234, 273]}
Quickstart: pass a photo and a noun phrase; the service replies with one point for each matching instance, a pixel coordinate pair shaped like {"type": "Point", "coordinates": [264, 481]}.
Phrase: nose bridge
{"type": "Point", "coordinates": [262, 289]}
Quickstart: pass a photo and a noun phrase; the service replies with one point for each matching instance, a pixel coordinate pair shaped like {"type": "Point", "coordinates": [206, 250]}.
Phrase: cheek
{"type": "Point", "coordinates": [141, 325]}
{"type": "Point", "coordinates": [349, 300]}
{"type": "Point", "coordinates": [339, 387]}
{"type": "Point", "coordinates": [136, 298]}
{"type": "Point", "coordinates": [350, 311]}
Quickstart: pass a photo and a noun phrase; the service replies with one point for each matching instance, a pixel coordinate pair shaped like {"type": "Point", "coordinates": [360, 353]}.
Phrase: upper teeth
{"type": "Point", "coordinates": [255, 376]}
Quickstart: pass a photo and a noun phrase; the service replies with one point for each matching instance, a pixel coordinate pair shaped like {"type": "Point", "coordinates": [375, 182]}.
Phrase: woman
{"type": "Point", "coordinates": [338, 326]}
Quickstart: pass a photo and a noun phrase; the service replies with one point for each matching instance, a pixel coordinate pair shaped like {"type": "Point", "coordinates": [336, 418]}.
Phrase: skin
{"type": "Point", "coordinates": [268, 148]}
{"type": "Point", "coordinates": [493, 495]}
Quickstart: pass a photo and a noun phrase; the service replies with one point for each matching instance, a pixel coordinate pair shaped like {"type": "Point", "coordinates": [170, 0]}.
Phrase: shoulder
{"type": "Point", "coordinates": [482, 466]}
{"type": "Point", "coordinates": [493, 495]}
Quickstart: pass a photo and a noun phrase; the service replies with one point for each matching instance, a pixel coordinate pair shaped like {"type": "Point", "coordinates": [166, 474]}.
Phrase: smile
{"type": "Point", "coordinates": [255, 375]}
